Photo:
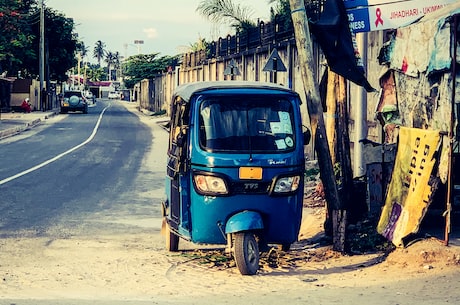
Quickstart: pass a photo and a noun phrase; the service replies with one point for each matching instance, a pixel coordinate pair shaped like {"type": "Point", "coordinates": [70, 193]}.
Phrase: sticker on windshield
{"type": "Point", "coordinates": [285, 120]}
{"type": "Point", "coordinates": [283, 115]}
{"type": "Point", "coordinates": [280, 144]}
{"type": "Point", "coordinates": [280, 127]}
{"type": "Point", "coordinates": [275, 127]}
{"type": "Point", "coordinates": [289, 141]}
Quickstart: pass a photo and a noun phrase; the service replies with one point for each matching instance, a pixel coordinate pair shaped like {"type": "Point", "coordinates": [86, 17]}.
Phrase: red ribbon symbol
{"type": "Point", "coordinates": [378, 13]}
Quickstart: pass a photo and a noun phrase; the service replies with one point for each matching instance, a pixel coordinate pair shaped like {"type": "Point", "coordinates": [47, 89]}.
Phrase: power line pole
{"type": "Point", "coordinates": [41, 51]}
{"type": "Point", "coordinates": [315, 111]}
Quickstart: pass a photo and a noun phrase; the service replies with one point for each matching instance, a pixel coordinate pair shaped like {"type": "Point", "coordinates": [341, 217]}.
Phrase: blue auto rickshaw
{"type": "Point", "coordinates": [235, 170]}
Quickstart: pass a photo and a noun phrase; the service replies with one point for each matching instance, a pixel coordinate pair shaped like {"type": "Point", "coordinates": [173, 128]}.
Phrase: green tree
{"type": "Point", "coordinates": [99, 51]}
{"type": "Point", "coordinates": [83, 50]}
{"type": "Point", "coordinates": [200, 44]}
{"type": "Point", "coordinates": [16, 34]}
{"type": "Point", "coordinates": [60, 45]}
{"type": "Point", "coordinates": [112, 59]}
{"type": "Point", "coordinates": [281, 11]}
{"type": "Point", "coordinates": [146, 66]}
{"type": "Point", "coordinates": [20, 36]}
{"type": "Point", "coordinates": [95, 73]}
{"type": "Point", "coordinates": [116, 62]}
{"type": "Point", "coordinates": [227, 12]}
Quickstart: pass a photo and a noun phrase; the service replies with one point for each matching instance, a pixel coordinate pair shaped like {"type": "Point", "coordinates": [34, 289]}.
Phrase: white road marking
{"type": "Point", "coordinates": [32, 169]}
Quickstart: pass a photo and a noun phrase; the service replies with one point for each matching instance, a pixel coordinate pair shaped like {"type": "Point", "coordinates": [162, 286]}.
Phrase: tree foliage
{"type": "Point", "coordinates": [15, 34]}
{"type": "Point", "coordinates": [146, 66]}
{"type": "Point", "coordinates": [82, 49]}
{"type": "Point", "coordinates": [113, 61]}
{"type": "Point", "coordinates": [61, 44]}
{"type": "Point", "coordinates": [200, 44]}
{"type": "Point", "coordinates": [95, 72]}
{"type": "Point", "coordinates": [280, 7]}
{"type": "Point", "coordinates": [281, 11]}
{"type": "Point", "coordinates": [227, 12]}
{"type": "Point", "coordinates": [238, 16]}
{"type": "Point", "coordinates": [20, 37]}
{"type": "Point", "coordinates": [99, 51]}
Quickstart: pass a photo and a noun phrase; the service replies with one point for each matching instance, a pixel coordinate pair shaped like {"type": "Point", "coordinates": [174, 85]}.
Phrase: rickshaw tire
{"type": "Point", "coordinates": [172, 240]}
{"type": "Point", "coordinates": [246, 253]}
{"type": "Point", "coordinates": [286, 247]}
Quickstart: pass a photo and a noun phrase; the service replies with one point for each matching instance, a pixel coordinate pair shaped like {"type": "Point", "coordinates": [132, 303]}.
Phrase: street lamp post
{"type": "Point", "coordinates": [41, 59]}
{"type": "Point", "coordinates": [138, 43]}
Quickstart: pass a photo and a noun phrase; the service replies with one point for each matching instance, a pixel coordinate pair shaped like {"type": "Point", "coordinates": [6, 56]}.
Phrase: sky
{"type": "Point", "coordinates": [167, 27]}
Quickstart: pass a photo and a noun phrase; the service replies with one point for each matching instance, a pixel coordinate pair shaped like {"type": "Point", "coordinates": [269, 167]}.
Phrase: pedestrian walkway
{"type": "Point", "coordinates": [12, 123]}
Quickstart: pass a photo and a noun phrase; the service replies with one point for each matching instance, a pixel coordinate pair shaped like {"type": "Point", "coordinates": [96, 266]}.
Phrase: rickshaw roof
{"type": "Point", "coordinates": [186, 91]}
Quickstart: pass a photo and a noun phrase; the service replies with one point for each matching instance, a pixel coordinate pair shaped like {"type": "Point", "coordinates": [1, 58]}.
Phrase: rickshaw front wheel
{"type": "Point", "coordinates": [172, 240]}
{"type": "Point", "coordinates": [286, 247]}
{"type": "Point", "coordinates": [246, 252]}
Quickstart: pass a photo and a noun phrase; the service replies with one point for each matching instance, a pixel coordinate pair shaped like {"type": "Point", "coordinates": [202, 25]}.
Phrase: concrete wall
{"type": "Point", "coordinates": [155, 95]}
{"type": "Point", "coordinates": [25, 88]}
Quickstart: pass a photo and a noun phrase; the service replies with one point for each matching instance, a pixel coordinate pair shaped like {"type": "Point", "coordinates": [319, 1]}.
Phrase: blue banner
{"type": "Point", "coordinates": [359, 20]}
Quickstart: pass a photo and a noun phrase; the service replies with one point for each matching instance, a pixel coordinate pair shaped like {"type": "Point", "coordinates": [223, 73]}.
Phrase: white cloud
{"type": "Point", "coordinates": [151, 33]}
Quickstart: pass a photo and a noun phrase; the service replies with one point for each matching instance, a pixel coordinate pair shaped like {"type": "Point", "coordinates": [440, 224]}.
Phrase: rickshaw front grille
{"type": "Point", "coordinates": [249, 187]}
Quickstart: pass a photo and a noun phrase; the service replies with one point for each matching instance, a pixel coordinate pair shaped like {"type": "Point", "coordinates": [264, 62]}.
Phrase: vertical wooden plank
{"type": "Point", "coordinates": [315, 110]}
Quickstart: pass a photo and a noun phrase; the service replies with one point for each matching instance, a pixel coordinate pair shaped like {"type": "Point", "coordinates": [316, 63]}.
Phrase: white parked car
{"type": "Point", "coordinates": [114, 95]}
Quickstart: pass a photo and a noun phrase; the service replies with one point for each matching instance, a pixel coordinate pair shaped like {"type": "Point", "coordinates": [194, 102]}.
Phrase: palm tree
{"type": "Point", "coordinates": [112, 59]}
{"type": "Point", "coordinates": [227, 12]}
{"type": "Point", "coordinates": [83, 52]}
{"type": "Point", "coordinates": [95, 72]}
{"type": "Point", "coordinates": [82, 49]}
{"type": "Point", "coordinates": [99, 51]}
{"type": "Point", "coordinates": [116, 61]}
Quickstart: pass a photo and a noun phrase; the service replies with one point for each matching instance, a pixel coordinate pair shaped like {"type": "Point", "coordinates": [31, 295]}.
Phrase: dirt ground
{"type": "Point", "coordinates": [68, 265]}
{"type": "Point", "coordinates": [135, 269]}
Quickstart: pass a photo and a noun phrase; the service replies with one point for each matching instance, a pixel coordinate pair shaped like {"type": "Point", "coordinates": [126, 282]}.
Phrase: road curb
{"type": "Point", "coordinates": [25, 126]}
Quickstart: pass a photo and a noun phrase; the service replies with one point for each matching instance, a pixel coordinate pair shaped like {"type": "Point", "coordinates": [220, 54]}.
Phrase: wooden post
{"type": "Point", "coordinates": [341, 215]}
{"type": "Point", "coordinates": [331, 114]}
{"type": "Point", "coordinates": [447, 213]}
{"type": "Point", "coordinates": [315, 110]}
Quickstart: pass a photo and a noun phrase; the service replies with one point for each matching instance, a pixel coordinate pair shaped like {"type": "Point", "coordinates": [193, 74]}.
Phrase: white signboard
{"type": "Point", "coordinates": [383, 14]}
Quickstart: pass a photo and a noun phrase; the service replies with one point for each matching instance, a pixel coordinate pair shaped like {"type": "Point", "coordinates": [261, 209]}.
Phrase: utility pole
{"type": "Point", "coordinates": [315, 111]}
{"type": "Point", "coordinates": [79, 69]}
{"type": "Point", "coordinates": [41, 51]}
{"type": "Point", "coordinates": [361, 113]}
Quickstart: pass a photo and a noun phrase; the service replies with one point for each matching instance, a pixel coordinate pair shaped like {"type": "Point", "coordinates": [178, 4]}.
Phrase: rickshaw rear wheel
{"type": "Point", "coordinates": [246, 252]}
{"type": "Point", "coordinates": [172, 240]}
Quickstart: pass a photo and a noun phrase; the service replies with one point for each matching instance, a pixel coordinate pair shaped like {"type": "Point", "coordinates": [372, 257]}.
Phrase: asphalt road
{"type": "Point", "coordinates": [74, 167]}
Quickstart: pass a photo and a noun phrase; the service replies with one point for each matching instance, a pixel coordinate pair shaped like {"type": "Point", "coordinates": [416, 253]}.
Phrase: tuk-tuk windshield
{"type": "Point", "coordinates": [246, 124]}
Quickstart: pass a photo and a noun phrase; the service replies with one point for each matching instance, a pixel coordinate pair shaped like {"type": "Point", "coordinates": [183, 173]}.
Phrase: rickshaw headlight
{"type": "Point", "coordinates": [286, 184]}
{"type": "Point", "coordinates": [210, 185]}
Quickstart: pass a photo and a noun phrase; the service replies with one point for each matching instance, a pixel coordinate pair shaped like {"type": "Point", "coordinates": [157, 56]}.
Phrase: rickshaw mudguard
{"type": "Point", "coordinates": [244, 221]}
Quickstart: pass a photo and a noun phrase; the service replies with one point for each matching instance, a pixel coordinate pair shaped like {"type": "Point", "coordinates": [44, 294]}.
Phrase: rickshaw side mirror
{"type": "Point", "coordinates": [306, 137]}
{"type": "Point", "coordinates": [181, 136]}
